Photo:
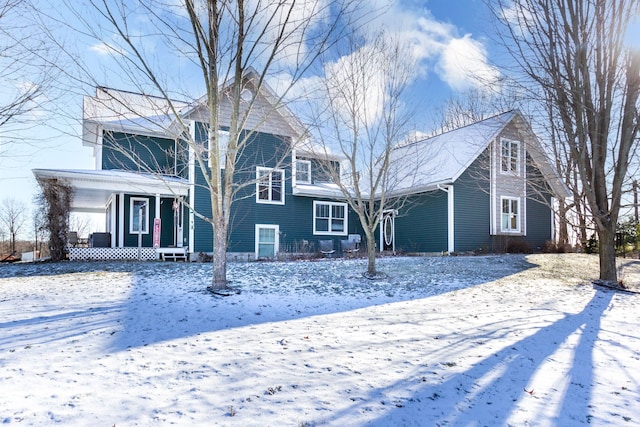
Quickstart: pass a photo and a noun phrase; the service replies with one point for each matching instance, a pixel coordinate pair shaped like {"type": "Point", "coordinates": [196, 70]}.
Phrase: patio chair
{"type": "Point", "coordinates": [73, 238]}
{"type": "Point", "coordinates": [349, 247]}
{"type": "Point", "coordinates": [326, 248]}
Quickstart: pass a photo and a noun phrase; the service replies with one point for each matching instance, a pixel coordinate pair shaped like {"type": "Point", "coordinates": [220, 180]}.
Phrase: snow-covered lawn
{"type": "Point", "coordinates": [469, 341]}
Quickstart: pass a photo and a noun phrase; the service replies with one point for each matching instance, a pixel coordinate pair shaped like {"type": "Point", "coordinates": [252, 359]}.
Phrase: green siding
{"type": "Point", "coordinates": [294, 218]}
{"type": "Point", "coordinates": [472, 217]}
{"type": "Point", "coordinates": [538, 210]}
{"type": "Point", "coordinates": [421, 226]}
{"type": "Point", "coordinates": [138, 153]}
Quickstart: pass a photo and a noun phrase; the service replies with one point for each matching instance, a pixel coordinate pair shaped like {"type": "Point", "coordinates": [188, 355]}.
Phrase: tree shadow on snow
{"type": "Point", "coordinates": [493, 389]}
{"type": "Point", "coordinates": [173, 303]}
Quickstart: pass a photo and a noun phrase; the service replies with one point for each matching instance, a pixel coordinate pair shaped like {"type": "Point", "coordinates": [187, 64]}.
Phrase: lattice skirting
{"type": "Point", "coordinates": [103, 254]}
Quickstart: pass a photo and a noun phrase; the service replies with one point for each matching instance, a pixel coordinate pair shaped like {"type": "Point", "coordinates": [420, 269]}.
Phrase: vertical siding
{"type": "Point", "coordinates": [149, 153]}
{"type": "Point", "coordinates": [421, 225]}
{"type": "Point", "coordinates": [471, 206]}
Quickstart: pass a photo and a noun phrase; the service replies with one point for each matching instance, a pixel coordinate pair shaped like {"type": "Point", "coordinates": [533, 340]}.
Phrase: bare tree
{"type": "Point", "coordinates": [24, 72]}
{"type": "Point", "coordinates": [575, 51]}
{"type": "Point", "coordinates": [13, 215]}
{"type": "Point", "coordinates": [229, 49]}
{"type": "Point", "coordinates": [363, 114]}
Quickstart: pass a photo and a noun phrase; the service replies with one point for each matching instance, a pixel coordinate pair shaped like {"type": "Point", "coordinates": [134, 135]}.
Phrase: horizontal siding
{"type": "Point", "coordinates": [138, 153]}
{"type": "Point", "coordinates": [421, 225]}
{"type": "Point", "coordinates": [471, 207]}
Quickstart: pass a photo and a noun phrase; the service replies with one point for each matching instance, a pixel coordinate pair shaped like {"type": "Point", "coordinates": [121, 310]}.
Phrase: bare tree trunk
{"type": "Point", "coordinates": [371, 254]}
{"type": "Point", "coordinates": [607, 253]}
{"type": "Point", "coordinates": [219, 280]}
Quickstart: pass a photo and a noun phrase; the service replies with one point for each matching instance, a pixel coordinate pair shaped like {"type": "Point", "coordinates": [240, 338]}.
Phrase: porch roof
{"type": "Point", "coordinates": [92, 188]}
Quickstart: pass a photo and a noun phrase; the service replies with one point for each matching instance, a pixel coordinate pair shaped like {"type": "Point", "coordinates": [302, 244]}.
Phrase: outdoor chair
{"type": "Point", "coordinates": [73, 238]}
{"type": "Point", "coordinates": [326, 247]}
{"type": "Point", "coordinates": [349, 247]}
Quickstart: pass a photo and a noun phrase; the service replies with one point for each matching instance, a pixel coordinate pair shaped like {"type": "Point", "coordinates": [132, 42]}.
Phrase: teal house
{"type": "Point", "coordinates": [480, 186]}
{"type": "Point", "coordinates": [150, 187]}
{"type": "Point", "coordinates": [487, 186]}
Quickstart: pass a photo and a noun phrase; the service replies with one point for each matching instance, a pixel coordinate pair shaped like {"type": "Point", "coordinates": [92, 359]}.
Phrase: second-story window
{"type": "Point", "coordinates": [303, 172]}
{"type": "Point", "coordinates": [223, 143]}
{"type": "Point", "coordinates": [270, 185]}
{"type": "Point", "coordinates": [510, 157]}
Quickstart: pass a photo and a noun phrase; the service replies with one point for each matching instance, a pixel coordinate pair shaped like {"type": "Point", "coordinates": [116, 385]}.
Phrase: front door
{"type": "Point", "coordinates": [178, 221]}
{"type": "Point", "coordinates": [387, 231]}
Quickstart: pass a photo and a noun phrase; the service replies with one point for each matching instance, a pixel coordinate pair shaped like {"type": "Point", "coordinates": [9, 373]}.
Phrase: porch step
{"type": "Point", "coordinates": [172, 254]}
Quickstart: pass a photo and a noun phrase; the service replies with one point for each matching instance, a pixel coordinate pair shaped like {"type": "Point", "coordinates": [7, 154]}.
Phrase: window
{"type": "Point", "coordinates": [329, 218]}
{"type": "Point", "coordinates": [510, 158]}
{"type": "Point", "coordinates": [267, 240]}
{"type": "Point", "coordinates": [138, 215]}
{"type": "Point", "coordinates": [270, 186]}
{"type": "Point", "coordinates": [223, 143]}
{"type": "Point", "coordinates": [303, 172]}
{"type": "Point", "coordinates": [510, 214]}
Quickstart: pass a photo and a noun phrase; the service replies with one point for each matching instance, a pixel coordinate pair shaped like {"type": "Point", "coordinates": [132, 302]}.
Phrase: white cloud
{"type": "Point", "coordinates": [106, 49]}
{"type": "Point", "coordinates": [463, 64]}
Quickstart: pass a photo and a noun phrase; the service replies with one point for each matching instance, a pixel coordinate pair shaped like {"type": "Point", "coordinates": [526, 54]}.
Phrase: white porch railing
{"type": "Point", "coordinates": [115, 254]}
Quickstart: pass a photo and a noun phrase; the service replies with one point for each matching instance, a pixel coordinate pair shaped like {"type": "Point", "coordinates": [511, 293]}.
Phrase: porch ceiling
{"type": "Point", "coordinates": [92, 188]}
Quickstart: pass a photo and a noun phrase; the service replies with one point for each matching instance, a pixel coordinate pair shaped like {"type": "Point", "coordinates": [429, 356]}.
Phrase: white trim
{"type": "Point", "coordinates": [97, 150]}
{"type": "Point", "coordinates": [145, 223]}
{"type": "Point", "coordinates": [492, 190]}
{"type": "Point", "coordinates": [192, 186]}
{"type": "Point", "coordinates": [450, 220]}
{"type": "Point", "coordinates": [518, 215]}
{"type": "Point", "coordinates": [274, 227]}
{"type": "Point", "coordinates": [270, 200]}
{"type": "Point", "coordinates": [111, 204]}
{"type": "Point", "coordinates": [330, 223]}
{"type": "Point", "coordinates": [295, 167]}
{"type": "Point", "coordinates": [121, 216]}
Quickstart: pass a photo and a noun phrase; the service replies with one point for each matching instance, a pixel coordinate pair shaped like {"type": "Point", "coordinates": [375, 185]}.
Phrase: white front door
{"type": "Point", "coordinates": [388, 231]}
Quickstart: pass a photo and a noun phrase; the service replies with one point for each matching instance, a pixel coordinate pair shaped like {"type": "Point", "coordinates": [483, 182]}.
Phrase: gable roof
{"type": "Point", "coordinates": [441, 159]}
{"type": "Point", "coordinates": [266, 110]}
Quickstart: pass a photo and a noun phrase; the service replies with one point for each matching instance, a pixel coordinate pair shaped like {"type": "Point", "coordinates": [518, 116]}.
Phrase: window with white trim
{"type": "Point", "coordinates": [303, 172]}
{"type": "Point", "coordinates": [223, 143]}
{"type": "Point", "coordinates": [510, 217]}
{"type": "Point", "coordinates": [329, 218]}
{"type": "Point", "coordinates": [510, 157]}
{"type": "Point", "coordinates": [267, 240]}
{"type": "Point", "coordinates": [138, 210]}
{"type": "Point", "coordinates": [269, 185]}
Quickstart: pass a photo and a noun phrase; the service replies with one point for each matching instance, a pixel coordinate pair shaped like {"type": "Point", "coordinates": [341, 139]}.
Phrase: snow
{"type": "Point", "coordinates": [456, 341]}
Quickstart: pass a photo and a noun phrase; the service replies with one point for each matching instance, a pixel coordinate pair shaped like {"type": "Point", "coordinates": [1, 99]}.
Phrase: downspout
{"type": "Point", "coordinates": [450, 217]}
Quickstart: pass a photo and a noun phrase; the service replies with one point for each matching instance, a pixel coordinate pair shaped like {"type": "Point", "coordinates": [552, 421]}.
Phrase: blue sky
{"type": "Point", "coordinates": [449, 35]}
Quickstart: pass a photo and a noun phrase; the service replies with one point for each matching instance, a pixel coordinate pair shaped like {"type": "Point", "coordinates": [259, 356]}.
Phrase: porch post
{"type": "Point", "coordinates": [122, 221]}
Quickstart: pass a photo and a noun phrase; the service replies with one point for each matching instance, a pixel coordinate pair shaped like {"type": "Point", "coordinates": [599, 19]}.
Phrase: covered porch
{"type": "Point", "coordinates": [143, 213]}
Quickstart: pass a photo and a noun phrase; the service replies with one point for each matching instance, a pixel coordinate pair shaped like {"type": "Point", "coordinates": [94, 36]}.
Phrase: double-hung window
{"type": "Point", "coordinates": [510, 218]}
{"type": "Point", "coordinates": [270, 185]}
{"type": "Point", "coordinates": [510, 157]}
{"type": "Point", "coordinates": [303, 172]}
{"type": "Point", "coordinates": [329, 218]}
{"type": "Point", "coordinates": [138, 215]}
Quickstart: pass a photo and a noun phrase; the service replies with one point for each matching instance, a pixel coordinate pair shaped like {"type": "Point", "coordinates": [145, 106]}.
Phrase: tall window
{"type": "Point", "coordinates": [138, 215]}
{"type": "Point", "coordinates": [510, 158]}
{"type": "Point", "coordinates": [270, 185]}
{"type": "Point", "coordinates": [510, 214]}
{"type": "Point", "coordinates": [223, 143]}
{"type": "Point", "coordinates": [303, 172]}
{"type": "Point", "coordinates": [267, 240]}
{"type": "Point", "coordinates": [329, 218]}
